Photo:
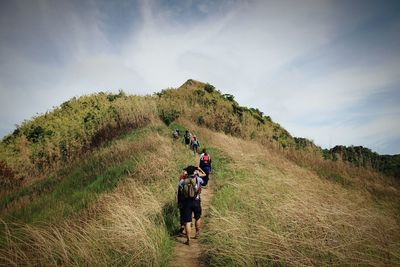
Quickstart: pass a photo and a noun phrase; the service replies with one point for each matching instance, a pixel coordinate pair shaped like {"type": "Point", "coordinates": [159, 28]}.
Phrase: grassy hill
{"type": "Point", "coordinates": [93, 183]}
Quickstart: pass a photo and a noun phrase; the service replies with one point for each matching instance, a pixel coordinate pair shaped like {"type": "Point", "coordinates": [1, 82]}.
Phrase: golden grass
{"type": "Point", "coordinates": [269, 211]}
{"type": "Point", "coordinates": [124, 228]}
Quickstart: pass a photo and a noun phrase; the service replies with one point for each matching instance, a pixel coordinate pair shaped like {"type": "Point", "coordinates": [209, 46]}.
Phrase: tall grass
{"type": "Point", "coordinates": [129, 226]}
{"type": "Point", "coordinates": [268, 211]}
{"type": "Point", "coordinates": [130, 232]}
{"type": "Point", "coordinates": [49, 141]}
{"type": "Point", "coordinates": [76, 186]}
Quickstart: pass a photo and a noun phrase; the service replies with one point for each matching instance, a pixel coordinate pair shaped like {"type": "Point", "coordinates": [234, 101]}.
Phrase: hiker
{"type": "Point", "coordinates": [187, 137]}
{"type": "Point", "coordinates": [189, 170]}
{"type": "Point", "coordinates": [180, 204]}
{"type": "Point", "coordinates": [175, 134]}
{"type": "Point", "coordinates": [205, 165]}
{"type": "Point", "coordinates": [195, 144]}
{"type": "Point", "coordinates": [189, 199]}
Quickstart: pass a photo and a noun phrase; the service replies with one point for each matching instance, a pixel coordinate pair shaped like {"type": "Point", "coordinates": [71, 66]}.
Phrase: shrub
{"type": "Point", "coordinates": [229, 97]}
{"type": "Point", "coordinates": [209, 88]}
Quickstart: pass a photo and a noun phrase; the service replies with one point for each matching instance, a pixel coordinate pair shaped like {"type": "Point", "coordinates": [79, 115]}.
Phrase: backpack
{"type": "Point", "coordinates": [205, 159]}
{"type": "Point", "coordinates": [187, 136]}
{"type": "Point", "coordinates": [190, 188]}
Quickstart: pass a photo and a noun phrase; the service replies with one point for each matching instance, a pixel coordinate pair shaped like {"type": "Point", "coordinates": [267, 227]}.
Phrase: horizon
{"type": "Point", "coordinates": [326, 71]}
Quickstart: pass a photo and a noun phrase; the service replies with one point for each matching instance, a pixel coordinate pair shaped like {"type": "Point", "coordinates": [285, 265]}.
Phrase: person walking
{"type": "Point", "coordinates": [187, 137]}
{"type": "Point", "coordinates": [175, 134]}
{"type": "Point", "coordinates": [180, 202]}
{"type": "Point", "coordinates": [195, 144]}
{"type": "Point", "coordinates": [190, 190]}
{"type": "Point", "coordinates": [205, 165]}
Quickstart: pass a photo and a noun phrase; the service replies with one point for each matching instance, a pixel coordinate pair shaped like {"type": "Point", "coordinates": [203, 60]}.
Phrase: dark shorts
{"type": "Point", "coordinates": [189, 207]}
{"type": "Point", "coordinates": [187, 141]}
{"type": "Point", "coordinates": [205, 180]}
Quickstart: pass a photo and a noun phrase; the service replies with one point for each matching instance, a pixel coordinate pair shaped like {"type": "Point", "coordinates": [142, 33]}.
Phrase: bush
{"type": "Point", "coordinates": [209, 88]}
{"type": "Point", "coordinates": [229, 97]}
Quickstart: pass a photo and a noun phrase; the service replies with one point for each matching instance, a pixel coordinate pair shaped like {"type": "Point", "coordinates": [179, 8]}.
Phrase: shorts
{"type": "Point", "coordinates": [205, 180]}
{"type": "Point", "coordinates": [189, 207]}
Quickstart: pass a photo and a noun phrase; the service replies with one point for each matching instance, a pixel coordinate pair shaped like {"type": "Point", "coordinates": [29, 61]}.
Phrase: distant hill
{"type": "Point", "coordinates": [364, 157]}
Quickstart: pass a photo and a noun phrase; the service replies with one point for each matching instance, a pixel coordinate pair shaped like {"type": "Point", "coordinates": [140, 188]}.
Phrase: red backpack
{"type": "Point", "coordinates": [205, 159]}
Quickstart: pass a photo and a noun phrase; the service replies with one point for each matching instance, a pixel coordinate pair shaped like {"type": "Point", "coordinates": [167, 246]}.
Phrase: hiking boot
{"type": "Point", "coordinates": [187, 242]}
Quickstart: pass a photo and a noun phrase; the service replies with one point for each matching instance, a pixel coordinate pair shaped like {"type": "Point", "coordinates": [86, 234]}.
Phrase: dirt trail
{"type": "Point", "coordinates": [185, 255]}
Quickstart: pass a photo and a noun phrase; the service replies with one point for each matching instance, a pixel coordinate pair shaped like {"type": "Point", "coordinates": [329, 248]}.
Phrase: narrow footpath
{"type": "Point", "coordinates": [185, 255]}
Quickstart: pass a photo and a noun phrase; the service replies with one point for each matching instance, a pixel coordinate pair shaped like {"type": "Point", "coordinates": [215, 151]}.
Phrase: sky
{"type": "Point", "coordinates": [325, 70]}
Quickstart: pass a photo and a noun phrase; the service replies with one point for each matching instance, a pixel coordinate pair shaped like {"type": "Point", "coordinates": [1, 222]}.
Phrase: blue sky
{"type": "Point", "coordinates": [325, 70]}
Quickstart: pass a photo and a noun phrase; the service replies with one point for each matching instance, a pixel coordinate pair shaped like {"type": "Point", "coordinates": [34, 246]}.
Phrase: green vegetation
{"type": "Point", "coordinates": [93, 183]}
{"type": "Point", "coordinates": [61, 136]}
{"type": "Point", "coordinates": [364, 157]}
{"type": "Point", "coordinates": [208, 107]}
{"type": "Point", "coordinates": [55, 198]}
{"type": "Point", "coordinates": [110, 209]}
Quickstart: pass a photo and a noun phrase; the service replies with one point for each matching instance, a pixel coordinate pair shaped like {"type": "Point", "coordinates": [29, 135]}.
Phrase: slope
{"type": "Point", "coordinates": [268, 210]}
{"type": "Point", "coordinates": [117, 207]}
{"type": "Point", "coordinates": [100, 189]}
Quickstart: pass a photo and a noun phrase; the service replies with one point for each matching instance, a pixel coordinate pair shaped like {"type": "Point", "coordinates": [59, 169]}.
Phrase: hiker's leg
{"type": "Point", "coordinates": [182, 223]}
{"type": "Point", "coordinates": [187, 217]}
{"type": "Point", "coordinates": [198, 225]}
{"type": "Point", "coordinates": [197, 216]}
{"type": "Point", "coordinates": [187, 229]}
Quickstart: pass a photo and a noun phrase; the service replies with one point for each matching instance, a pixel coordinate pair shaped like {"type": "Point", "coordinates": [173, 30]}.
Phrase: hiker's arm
{"type": "Point", "coordinates": [201, 181]}
{"type": "Point", "coordinates": [201, 172]}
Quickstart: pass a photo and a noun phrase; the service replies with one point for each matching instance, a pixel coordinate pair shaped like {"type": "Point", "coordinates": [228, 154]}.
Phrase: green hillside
{"type": "Point", "coordinates": [93, 183]}
{"type": "Point", "coordinates": [364, 157]}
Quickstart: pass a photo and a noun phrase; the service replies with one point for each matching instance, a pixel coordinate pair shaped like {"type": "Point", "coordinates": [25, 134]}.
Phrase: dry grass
{"type": "Point", "coordinates": [267, 210]}
{"type": "Point", "coordinates": [124, 228]}
{"type": "Point", "coordinates": [270, 211]}
{"type": "Point", "coordinates": [125, 235]}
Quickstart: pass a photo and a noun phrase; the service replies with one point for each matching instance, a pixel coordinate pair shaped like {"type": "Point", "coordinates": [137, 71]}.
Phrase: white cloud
{"type": "Point", "coordinates": [280, 56]}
